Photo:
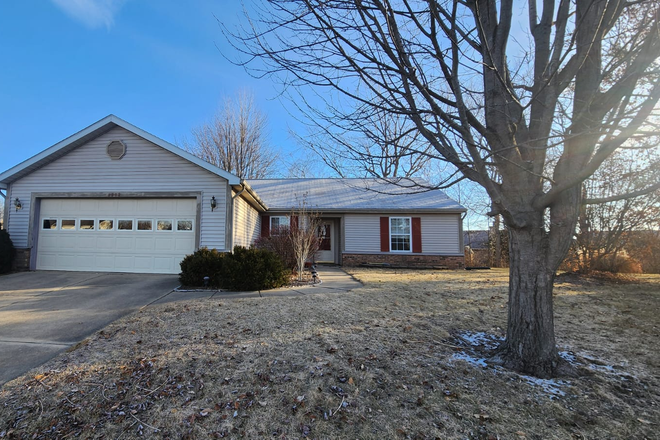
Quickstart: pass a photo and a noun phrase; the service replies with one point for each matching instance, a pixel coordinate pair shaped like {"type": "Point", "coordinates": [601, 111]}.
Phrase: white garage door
{"type": "Point", "coordinates": [116, 235]}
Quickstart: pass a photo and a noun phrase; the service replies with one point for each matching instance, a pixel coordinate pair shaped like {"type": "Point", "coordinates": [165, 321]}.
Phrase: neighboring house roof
{"type": "Point", "coordinates": [476, 239]}
{"type": "Point", "coordinates": [93, 131]}
{"type": "Point", "coordinates": [366, 195]}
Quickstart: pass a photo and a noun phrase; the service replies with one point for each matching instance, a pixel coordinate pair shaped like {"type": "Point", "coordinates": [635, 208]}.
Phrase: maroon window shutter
{"type": "Point", "coordinates": [294, 222]}
{"type": "Point", "coordinates": [265, 226]}
{"type": "Point", "coordinates": [384, 234]}
{"type": "Point", "coordinates": [417, 235]}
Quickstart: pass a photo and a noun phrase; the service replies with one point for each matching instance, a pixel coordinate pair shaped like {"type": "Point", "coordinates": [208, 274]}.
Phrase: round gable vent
{"type": "Point", "coordinates": [116, 150]}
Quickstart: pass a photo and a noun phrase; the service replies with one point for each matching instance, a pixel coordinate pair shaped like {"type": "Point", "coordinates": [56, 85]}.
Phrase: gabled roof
{"type": "Point", "coordinates": [354, 195]}
{"type": "Point", "coordinates": [93, 131]}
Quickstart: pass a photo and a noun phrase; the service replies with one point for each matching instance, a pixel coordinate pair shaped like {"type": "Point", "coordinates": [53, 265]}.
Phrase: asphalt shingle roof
{"type": "Point", "coordinates": [351, 195]}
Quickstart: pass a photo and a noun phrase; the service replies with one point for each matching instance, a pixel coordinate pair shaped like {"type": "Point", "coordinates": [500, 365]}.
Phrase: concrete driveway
{"type": "Point", "coordinates": [43, 313]}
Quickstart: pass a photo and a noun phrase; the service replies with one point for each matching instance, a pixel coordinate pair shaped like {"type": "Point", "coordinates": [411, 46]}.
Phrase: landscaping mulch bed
{"type": "Point", "coordinates": [403, 357]}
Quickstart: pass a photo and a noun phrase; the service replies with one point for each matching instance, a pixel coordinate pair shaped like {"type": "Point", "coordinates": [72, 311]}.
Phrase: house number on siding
{"type": "Point", "coordinates": [114, 194]}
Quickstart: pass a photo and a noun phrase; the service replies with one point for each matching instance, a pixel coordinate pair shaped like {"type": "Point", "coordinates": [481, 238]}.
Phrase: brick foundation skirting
{"type": "Point", "coordinates": [21, 260]}
{"type": "Point", "coordinates": [405, 260]}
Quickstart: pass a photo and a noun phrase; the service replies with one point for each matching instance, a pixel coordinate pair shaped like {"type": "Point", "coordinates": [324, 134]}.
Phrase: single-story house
{"type": "Point", "coordinates": [115, 198]}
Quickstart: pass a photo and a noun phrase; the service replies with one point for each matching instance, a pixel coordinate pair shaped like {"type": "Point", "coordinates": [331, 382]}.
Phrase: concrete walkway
{"type": "Point", "coordinates": [333, 280]}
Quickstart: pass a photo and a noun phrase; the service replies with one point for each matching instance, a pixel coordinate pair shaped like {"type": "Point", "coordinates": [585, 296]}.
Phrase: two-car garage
{"type": "Point", "coordinates": [114, 198]}
{"type": "Point", "coordinates": [147, 235]}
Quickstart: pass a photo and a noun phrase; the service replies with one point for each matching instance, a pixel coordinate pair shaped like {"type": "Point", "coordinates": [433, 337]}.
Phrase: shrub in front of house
{"type": "Point", "coordinates": [253, 269]}
{"type": "Point", "coordinates": [7, 252]}
{"type": "Point", "coordinates": [203, 263]}
{"type": "Point", "coordinates": [281, 245]}
{"type": "Point", "coordinates": [244, 269]}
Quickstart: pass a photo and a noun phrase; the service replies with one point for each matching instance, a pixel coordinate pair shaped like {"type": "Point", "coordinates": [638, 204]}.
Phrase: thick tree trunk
{"type": "Point", "coordinates": [530, 341]}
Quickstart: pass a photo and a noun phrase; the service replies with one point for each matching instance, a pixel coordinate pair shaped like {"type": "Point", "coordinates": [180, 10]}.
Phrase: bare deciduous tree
{"type": "Point", "coordinates": [489, 102]}
{"type": "Point", "coordinates": [385, 145]}
{"type": "Point", "coordinates": [235, 140]}
{"type": "Point", "coordinates": [304, 228]}
{"type": "Point", "coordinates": [604, 229]}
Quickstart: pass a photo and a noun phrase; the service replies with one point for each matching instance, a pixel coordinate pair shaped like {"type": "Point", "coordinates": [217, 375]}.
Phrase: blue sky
{"type": "Point", "coordinates": [64, 64]}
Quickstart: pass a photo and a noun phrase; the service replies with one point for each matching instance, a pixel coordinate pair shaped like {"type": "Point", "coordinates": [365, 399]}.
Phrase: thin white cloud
{"type": "Point", "coordinates": [91, 13]}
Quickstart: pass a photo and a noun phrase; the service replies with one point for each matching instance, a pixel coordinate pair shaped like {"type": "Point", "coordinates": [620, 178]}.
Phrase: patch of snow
{"type": "Point", "coordinates": [479, 362]}
{"type": "Point", "coordinates": [602, 368]}
{"type": "Point", "coordinates": [480, 339]}
{"type": "Point", "coordinates": [549, 386]}
{"type": "Point", "coordinates": [569, 357]}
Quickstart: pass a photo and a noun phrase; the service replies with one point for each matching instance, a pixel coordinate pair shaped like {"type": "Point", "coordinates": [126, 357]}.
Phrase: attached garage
{"type": "Point", "coordinates": [116, 235]}
{"type": "Point", "coordinates": [114, 198]}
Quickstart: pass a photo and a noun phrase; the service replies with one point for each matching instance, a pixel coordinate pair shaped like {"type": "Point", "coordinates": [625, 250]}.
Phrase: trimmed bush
{"type": "Point", "coordinates": [244, 269]}
{"type": "Point", "coordinates": [7, 252]}
{"type": "Point", "coordinates": [203, 263]}
{"type": "Point", "coordinates": [253, 269]}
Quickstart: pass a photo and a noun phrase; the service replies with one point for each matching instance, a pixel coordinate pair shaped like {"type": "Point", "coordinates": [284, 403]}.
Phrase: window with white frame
{"type": "Point", "coordinates": [400, 234]}
{"type": "Point", "coordinates": [277, 223]}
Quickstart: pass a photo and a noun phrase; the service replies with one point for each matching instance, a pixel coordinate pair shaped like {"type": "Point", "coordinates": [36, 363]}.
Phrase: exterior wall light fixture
{"type": "Point", "coordinates": [17, 204]}
{"type": "Point", "coordinates": [214, 204]}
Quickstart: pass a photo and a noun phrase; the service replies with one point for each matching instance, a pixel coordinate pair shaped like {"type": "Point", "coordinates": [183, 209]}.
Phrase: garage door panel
{"type": "Point", "coordinates": [143, 262]}
{"type": "Point", "coordinates": [144, 243]}
{"type": "Point", "coordinates": [64, 242]}
{"type": "Point", "coordinates": [146, 206]}
{"type": "Point", "coordinates": [119, 250]}
{"type": "Point", "coordinates": [165, 207]}
{"type": "Point", "coordinates": [164, 243]}
{"type": "Point", "coordinates": [128, 206]}
{"type": "Point", "coordinates": [88, 242]}
{"type": "Point", "coordinates": [124, 243]}
{"type": "Point", "coordinates": [48, 241]}
{"type": "Point", "coordinates": [106, 243]}
{"type": "Point", "coordinates": [163, 263]}
{"type": "Point", "coordinates": [123, 262]}
{"type": "Point", "coordinates": [85, 261]}
{"type": "Point", "coordinates": [106, 262]}
{"type": "Point", "coordinates": [181, 244]}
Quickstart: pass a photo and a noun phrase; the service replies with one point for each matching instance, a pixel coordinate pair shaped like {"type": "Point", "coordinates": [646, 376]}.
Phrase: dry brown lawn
{"type": "Point", "coordinates": [390, 360]}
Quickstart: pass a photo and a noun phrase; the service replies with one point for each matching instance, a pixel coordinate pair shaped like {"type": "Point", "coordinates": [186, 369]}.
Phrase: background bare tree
{"type": "Point", "coordinates": [463, 74]}
{"type": "Point", "coordinates": [384, 145]}
{"type": "Point", "coordinates": [606, 227]}
{"type": "Point", "coordinates": [236, 140]}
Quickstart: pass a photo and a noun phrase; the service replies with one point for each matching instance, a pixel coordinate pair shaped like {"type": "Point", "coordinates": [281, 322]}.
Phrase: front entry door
{"type": "Point", "coordinates": [326, 253]}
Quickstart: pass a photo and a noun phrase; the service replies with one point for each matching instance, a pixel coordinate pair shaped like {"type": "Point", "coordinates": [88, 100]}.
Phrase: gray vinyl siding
{"type": "Point", "coordinates": [440, 233]}
{"type": "Point", "coordinates": [247, 223]}
{"type": "Point", "coordinates": [145, 168]}
{"type": "Point", "coordinates": [362, 233]}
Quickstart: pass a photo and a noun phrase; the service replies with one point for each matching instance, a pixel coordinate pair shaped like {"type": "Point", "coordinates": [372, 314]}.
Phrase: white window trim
{"type": "Point", "coordinates": [57, 224]}
{"type": "Point", "coordinates": [286, 218]}
{"type": "Point", "coordinates": [175, 227]}
{"type": "Point", "coordinates": [137, 221]}
{"type": "Point", "coordinates": [172, 225]}
{"type": "Point", "coordinates": [133, 225]}
{"type": "Point", "coordinates": [105, 219]}
{"type": "Point", "coordinates": [409, 235]}
{"type": "Point", "coordinates": [75, 224]}
{"type": "Point", "coordinates": [95, 228]}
